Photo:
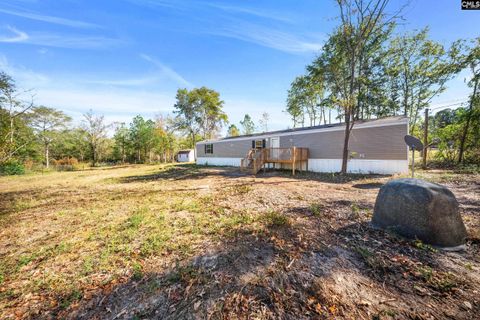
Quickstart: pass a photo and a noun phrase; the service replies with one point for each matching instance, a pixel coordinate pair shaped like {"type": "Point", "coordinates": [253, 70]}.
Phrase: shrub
{"type": "Point", "coordinates": [12, 168]}
{"type": "Point", "coordinates": [276, 219]}
{"type": "Point", "coordinates": [316, 209]}
{"type": "Point", "coordinates": [65, 164]}
{"type": "Point", "coordinates": [28, 164]}
{"type": "Point", "coordinates": [65, 161]}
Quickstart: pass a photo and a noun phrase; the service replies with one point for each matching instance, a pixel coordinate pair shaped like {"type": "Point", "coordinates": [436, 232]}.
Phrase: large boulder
{"type": "Point", "coordinates": [418, 209]}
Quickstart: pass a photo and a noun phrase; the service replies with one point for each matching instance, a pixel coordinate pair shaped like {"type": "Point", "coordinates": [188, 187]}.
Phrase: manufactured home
{"type": "Point", "coordinates": [376, 146]}
{"type": "Point", "coordinates": [186, 155]}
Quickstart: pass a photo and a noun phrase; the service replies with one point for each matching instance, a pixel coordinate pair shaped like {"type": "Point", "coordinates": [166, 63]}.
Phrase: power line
{"type": "Point", "coordinates": [449, 101]}
{"type": "Point", "coordinates": [448, 105]}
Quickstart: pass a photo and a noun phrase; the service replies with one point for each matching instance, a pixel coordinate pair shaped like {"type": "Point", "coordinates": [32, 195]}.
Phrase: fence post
{"type": "Point", "coordinates": [306, 158]}
{"type": "Point", "coordinates": [294, 158]}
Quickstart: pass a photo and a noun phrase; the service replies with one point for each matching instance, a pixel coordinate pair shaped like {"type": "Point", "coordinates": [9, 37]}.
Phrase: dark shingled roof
{"type": "Point", "coordinates": [184, 151]}
{"type": "Point", "coordinates": [379, 121]}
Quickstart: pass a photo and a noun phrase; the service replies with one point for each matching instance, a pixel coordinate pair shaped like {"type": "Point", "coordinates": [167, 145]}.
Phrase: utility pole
{"type": "Point", "coordinates": [425, 141]}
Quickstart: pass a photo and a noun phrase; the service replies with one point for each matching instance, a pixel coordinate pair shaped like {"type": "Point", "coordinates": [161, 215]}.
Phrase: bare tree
{"type": "Point", "coordinates": [95, 132]}
{"type": "Point", "coordinates": [473, 61]}
{"type": "Point", "coordinates": [13, 107]}
{"type": "Point", "coordinates": [360, 22]}
{"type": "Point", "coordinates": [264, 121]}
{"type": "Point", "coordinates": [46, 122]}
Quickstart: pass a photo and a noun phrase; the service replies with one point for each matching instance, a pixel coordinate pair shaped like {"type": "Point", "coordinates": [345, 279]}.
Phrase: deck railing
{"type": "Point", "coordinates": [257, 158]}
{"type": "Point", "coordinates": [254, 160]}
{"type": "Point", "coordinates": [286, 154]}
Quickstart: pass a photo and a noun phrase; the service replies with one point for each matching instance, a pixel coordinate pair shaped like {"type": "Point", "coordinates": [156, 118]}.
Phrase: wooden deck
{"type": "Point", "coordinates": [257, 159]}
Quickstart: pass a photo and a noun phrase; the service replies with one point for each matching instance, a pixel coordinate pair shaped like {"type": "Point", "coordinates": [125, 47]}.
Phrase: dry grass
{"type": "Point", "coordinates": [69, 237]}
{"type": "Point", "coordinates": [64, 235]}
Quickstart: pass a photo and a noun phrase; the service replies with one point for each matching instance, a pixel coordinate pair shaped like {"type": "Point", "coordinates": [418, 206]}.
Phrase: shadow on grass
{"type": "Point", "coordinates": [219, 283]}
{"type": "Point", "coordinates": [173, 172]}
{"type": "Point", "coordinates": [104, 168]}
{"type": "Point", "coordinates": [373, 185]}
{"type": "Point", "coordinates": [279, 272]}
{"type": "Point", "coordinates": [193, 171]}
{"type": "Point", "coordinates": [317, 176]}
{"type": "Point", "coordinates": [14, 201]}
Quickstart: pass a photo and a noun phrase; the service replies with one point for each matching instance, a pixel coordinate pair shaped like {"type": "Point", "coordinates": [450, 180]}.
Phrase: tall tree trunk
{"type": "Point", "coordinates": [349, 112]}
{"type": "Point", "coordinates": [47, 158]}
{"type": "Point", "coordinates": [11, 129]}
{"type": "Point", "coordinates": [94, 156]}
{"type": "Point", "coordinates": [193, 145]}
{"type": "Point", "coordinates": [405, 97]}
{"type": "Point", "coordinates": [348, 129]}
{"type": "Point", "coordinates": [467, 125]}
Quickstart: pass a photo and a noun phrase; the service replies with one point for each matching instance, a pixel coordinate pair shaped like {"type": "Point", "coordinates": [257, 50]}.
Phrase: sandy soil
{"type": "Point", "coordinates": [316, 258]}
{"type": "Point", "coordinates": [326, 262]}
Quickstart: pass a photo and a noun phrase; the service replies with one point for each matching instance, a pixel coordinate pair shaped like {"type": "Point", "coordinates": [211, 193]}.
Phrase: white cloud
{"type": "Point", "coordinates": [50, 19]}
{"type": "Point", "coordinates": [128, 82]}
{"type": "Point", "coordinates": [236, 108]}
{"type": "Point", "coordinates": [26, 78]}
{"type": "Point", "coordinates": [250, 11]}
{"type": "Point", "coordinates": [76, 95]}
{"type": "Point", "coordinates": [72, 42]}
{"type": "Point", "coordinates": [58, 40]}
{"type": "Point", "coordinates": [168, 72]}
{"type": "Point", "coordinates": [159, 3]}
{"type": "Point", "coordinates": [220, 9]}
{"type": "Point", "coordinates": [114, 101]}
{"type": "Point", "coordinates": [16, 36]}
{"type": "Point", "coordinates": [226, 21]}
{"type": "Point", "coordinates": [267, 37]}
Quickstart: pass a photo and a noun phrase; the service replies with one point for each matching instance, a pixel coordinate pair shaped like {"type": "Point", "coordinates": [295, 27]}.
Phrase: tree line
{"type": "Point", "coordinates": [31, 134]}
{"type": "Point", "coordinates": [38, 135]}
{"type": "Point", "coordinates": [366, 70]}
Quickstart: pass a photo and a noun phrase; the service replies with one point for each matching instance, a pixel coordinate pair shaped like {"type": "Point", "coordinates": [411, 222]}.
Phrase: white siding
{"type": "Point", "coordinates": [231, 162]}
{"type": "Point", "coordinates": [328, 165]}
{"type": "Point", "coordinates": [190, 157]}
{"type": "Point", "coordinates": [359, 166]}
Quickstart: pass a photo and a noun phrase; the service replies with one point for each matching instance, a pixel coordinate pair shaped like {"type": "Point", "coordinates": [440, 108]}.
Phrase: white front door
{"type": "Point", "coordinates": [274, 143]}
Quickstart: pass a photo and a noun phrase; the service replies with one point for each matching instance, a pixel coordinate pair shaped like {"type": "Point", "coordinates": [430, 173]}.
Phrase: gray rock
{"type": "Point", "coordinates": [418, 209]}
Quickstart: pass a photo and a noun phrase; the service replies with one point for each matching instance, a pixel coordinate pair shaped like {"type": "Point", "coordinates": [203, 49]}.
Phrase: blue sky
{"type": "Point", "coordinates": [127, 57]}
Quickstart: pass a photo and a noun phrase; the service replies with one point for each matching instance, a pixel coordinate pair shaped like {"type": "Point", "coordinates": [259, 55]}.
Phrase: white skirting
{"type": "Point", "coordinates": [359, 166]}
{"type": "Point", "coordinates": [230, 162]}
{"type": "Point", "coordinates": [328, 165]}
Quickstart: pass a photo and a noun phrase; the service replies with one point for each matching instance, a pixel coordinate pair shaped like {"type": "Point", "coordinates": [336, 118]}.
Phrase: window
{"type": "Point", "coordinates": [209, 148]}
{"type": "Point", "coordinates": [258, 144]}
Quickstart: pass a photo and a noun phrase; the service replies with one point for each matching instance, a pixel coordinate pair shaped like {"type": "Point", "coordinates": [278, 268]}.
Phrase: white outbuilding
{"type": "Point", "coordinates": [186, 156]}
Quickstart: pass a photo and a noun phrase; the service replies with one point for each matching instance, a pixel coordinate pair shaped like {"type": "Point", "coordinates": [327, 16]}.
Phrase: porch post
{"type": "Point", "coordinates": [293, 162]}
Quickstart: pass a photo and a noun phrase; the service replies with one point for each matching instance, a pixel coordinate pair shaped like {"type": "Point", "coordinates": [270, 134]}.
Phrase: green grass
{"type": "Point", "coordinates": [424, 246]}
{"type": "Point", "coordinates": [369, 257]}
{"type": "Point", "coordinates": [74, 228]}
{"type": "Point", "coordinates": [64, 233]}
{"type": "Point", "coordinates": [440, 281]}
{"type": "Point", "coordinates": [182, 274]}
{"type": "Point", "coordinates": [275, 219]}
{"type": "Point", "coordinates": [316, 209]}
{"type": "Point", "coordinates": [67, 300]}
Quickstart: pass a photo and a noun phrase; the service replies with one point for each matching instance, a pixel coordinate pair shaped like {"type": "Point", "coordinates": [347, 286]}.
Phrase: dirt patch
{"type": "Point", "coordinates": [188, 242]}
